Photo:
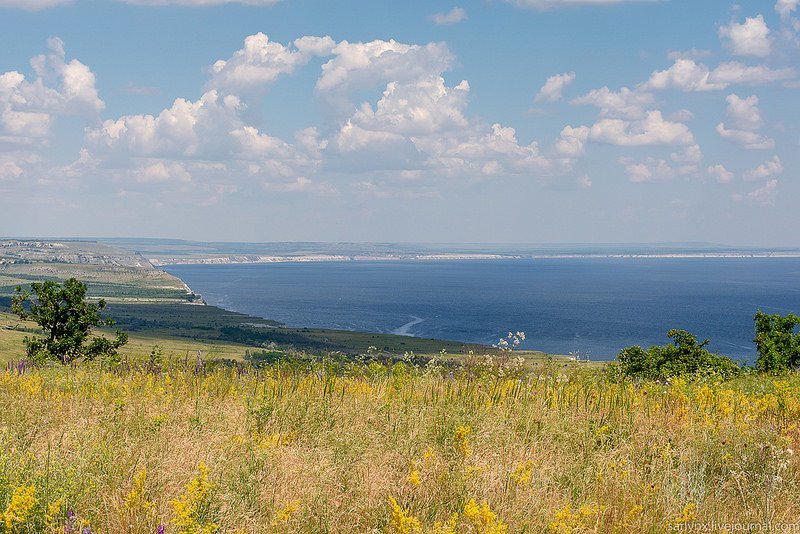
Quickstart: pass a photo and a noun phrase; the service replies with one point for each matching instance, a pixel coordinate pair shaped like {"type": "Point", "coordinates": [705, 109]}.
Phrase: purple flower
{"type": "Point", "coordinates": [86, 530]}
{"type": "Point", "coordinates": [161, 529]}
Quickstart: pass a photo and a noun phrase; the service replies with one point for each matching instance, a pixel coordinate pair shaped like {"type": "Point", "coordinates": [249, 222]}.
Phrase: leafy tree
{"type": "Point", "coordinates": [684, 356]}
{"type": "Point", "coordinates": [777, 343]}
{"type": "Point", "coordinates": [67, 319]}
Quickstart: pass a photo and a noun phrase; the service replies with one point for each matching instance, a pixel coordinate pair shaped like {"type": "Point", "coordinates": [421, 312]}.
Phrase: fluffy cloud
{"type": "Point", "coordinates": [745, 139]}
{"type": "Point", "coordinates": [206, 138]}
{"type": "Point", "coordinates": [653, 129]}
{"type": "Point", "coordinates": [746, 118]}
{"type": "Point", "coordinates": [415, 109]}
{"type": "Point", "coordinates": [358, 65]}
{"type": "Point", "coordinates": [688, 75]}
{"type": "Point", "coordinates": [720, 174]}
{"type": "Point", "coordinates": [751, 38]}
{"type": "Point", "coordinates": [744, 112]}
{"type": "Point", "coordinates": [417, 132]}
{"type": "Point", "coordinates": [790, 26]}
{"type": "Point", "coordinates": [422, 126]}
{"type": "Point", "coordinates": [763, 195]}
{"type": "Point", "coordinates": [625, 103]}
{"type": "Point", "coordinates": [785, 8]}
{"type": "Point", "coordinates": [261, 61]}
{"type": "Point", "coordinates": [649, 170]}
{"type": "Point", "coordinates": [28, 108]}
{"type": "Point", "coordinates": [554, 87]}
{"type": "Point", "coordinates": [572, 141]}
{"type": "Point", "coordinates": [162, 172]}
{"type": "Point", "coordinates": [454, 16]}
{"type": "Point", "coordinates": [769, 168]}
{"type": "Point", "coordinates": [690, 155]}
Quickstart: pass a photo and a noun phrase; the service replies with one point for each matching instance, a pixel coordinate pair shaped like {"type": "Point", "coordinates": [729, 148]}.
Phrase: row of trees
{"type": "Point", "coordinates": [777, 343]}
{"type": "Point", "coordinates": [67, 319]}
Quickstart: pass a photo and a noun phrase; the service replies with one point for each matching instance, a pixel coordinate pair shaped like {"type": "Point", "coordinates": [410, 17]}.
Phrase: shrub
{"type": "Point", "coordinates": [683, 357]}
{"type": "Point", "coordinates": [777, 343]}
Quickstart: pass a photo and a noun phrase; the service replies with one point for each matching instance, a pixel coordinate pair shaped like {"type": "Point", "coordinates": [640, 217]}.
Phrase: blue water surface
{"type": "Point", "coordinates": [596, 306]}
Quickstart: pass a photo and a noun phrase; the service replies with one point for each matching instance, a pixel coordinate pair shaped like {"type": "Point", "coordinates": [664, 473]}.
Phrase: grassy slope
{"type": "Point", "coordinates": [309, 451]}
{"type": "Point", "coordinates": [12, 331]}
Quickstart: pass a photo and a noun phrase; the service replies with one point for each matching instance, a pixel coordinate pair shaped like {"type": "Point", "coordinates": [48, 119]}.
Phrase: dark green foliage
{"type": "Point", "coordinates": [67, 319]}
{"type": "Point", "coordinates": [263, 358]}
{"type": "Point", "coordinates": [685, 356]}
{"type": "Point", "coordinates": [777, 343]}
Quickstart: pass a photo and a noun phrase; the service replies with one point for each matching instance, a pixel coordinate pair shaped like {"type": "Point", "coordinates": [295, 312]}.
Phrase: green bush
{"type": "Point", "coordinates": [685, 356]}
{"type": "Point", "coordinates": [777, 343]}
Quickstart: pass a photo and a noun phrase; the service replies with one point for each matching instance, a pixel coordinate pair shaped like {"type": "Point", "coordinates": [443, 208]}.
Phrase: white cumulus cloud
{"type": "Point", "coordinates": [261, 61]}
{"type": "Point", "coordinates": [769, 168]}
{"type": "Point", "coordinates": [720, 174]}
{"type": "Point", "coordinates": [653, 129]}
{"type": "Point", "coordinates": [554, 87]}
{"type": "Point", "coordinates": [750, 38]}
{"type": "Point", "coordinates": [454, 16]}
{"type": "Point", "coordinates": [746, 119]}
{"type": "Point", "coordinates": [572, 141]}
{"type": "Point", "coordinates": [28, 108]}
{"type": "Point", "coordinates": [649, 170]}
{"type": "Point", "coordinates": [763, 195]}
{"type": "Point", "coordinates": [688, 75]}
{"type": "Point", "coordinates": [625, 103]}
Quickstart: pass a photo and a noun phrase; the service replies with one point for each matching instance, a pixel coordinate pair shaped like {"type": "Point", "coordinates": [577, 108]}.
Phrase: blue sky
{"type": "Point", "coordinates": [534, 121]}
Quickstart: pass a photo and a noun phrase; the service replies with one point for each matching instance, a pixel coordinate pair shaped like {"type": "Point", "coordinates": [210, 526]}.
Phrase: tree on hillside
{"type": "Point", "coordinates": [777, 343]}
{"type": "Point", "coordinates": [685, 356]}
{"type": "Point", "coordinates": [67, 319]}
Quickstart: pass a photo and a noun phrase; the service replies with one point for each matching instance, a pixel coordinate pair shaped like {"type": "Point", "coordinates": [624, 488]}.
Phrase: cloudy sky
{"type": "Point", "coordinates": [532, 121]}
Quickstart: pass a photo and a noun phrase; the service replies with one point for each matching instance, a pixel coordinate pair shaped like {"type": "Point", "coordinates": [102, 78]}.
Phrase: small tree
{"type": "Point", "coordinates": [67, 319]}
{"type": "Point", "coordinates": [777, 343]}
{"type": "Point", "coordinates": [683, 357]}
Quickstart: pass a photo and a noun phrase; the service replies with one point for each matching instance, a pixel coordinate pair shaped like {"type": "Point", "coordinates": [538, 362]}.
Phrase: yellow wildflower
{"type": "Point", "coordinates": [193, 507]}
{"type": "Point", "coordinates": [402, 522]}
{"type": "Point", "coordinates": [580, 520]}
{"type": "Point", "coordinates": [688, 514]}
{"type": "Point", "coordinates": [523, 473]}
{"type": "Point", "coordinates": [20, 507]}
{"type": "Point", "coordinates": [286, 513]}
{"type": "Point", "coordinates": [413, 478]}
{"type": "Point", "coordinates": [462, 440]}
{"type": "Point", "coordinates": [136, 500]}
{"type": "Point", "coordinates": [483, 520]}
{"type": "Point", "coordinates": [53, 515]}
{"type": "Point", "coordinates": [448, 527]}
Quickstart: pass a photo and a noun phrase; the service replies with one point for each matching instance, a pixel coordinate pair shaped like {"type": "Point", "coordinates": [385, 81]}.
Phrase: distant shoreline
{"type": "Point", "coordinates": [248, 259]}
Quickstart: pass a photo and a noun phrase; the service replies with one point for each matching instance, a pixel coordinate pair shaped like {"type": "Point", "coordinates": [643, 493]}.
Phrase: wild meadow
{"type": "Point", "coordinates": [485, 446]}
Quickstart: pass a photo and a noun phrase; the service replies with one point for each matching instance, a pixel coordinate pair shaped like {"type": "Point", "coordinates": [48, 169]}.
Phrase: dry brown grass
{"type": "Point", "coordinates": [307, 451]}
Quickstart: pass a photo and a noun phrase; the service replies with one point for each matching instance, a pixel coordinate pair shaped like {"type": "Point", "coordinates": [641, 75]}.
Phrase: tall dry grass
{"type": "Point", "coordinates": [373, 448]}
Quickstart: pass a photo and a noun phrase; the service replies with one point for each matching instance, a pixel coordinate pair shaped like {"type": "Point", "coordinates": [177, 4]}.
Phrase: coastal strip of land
{"type": "Point", "coordinates": [157, 308]}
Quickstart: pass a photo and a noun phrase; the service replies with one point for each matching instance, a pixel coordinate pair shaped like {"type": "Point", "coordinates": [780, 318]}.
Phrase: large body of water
{"type": "Point", "coordinates": [595, 306]}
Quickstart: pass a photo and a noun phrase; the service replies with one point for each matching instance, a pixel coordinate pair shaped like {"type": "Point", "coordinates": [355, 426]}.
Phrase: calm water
{"type": "Point", "coordinates": [595, 306]}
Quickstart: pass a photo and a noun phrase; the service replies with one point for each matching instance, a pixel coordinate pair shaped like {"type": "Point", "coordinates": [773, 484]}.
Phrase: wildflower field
{"type": "Point", "coordinates": [371, 447]}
